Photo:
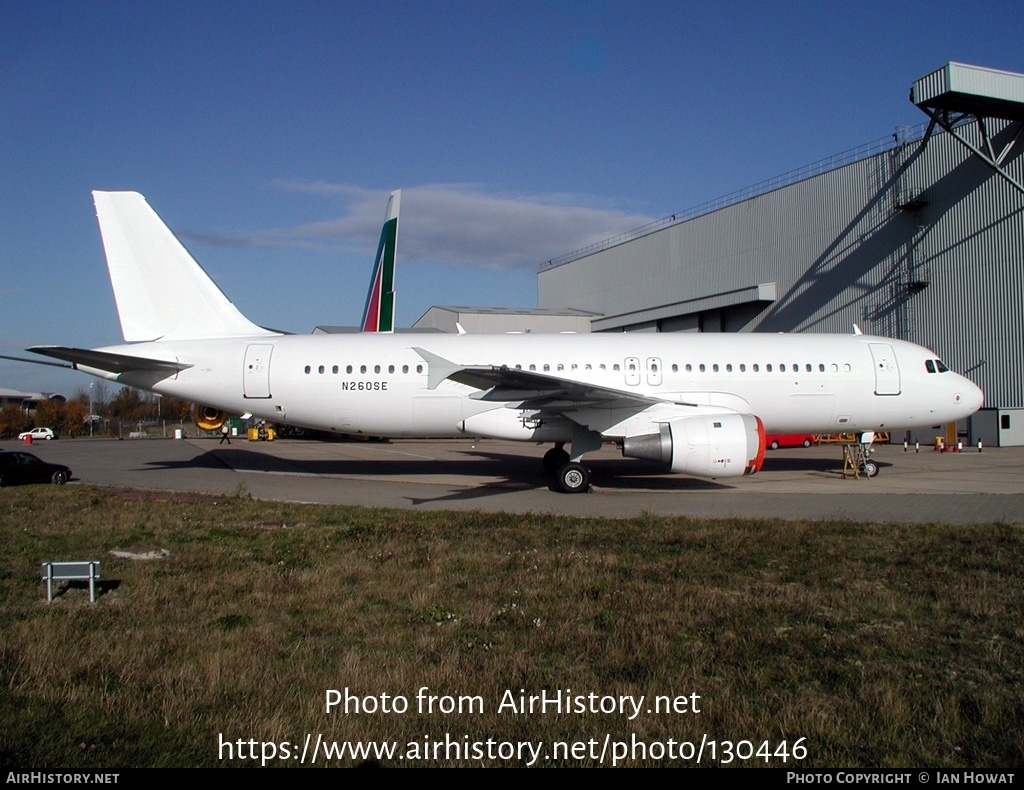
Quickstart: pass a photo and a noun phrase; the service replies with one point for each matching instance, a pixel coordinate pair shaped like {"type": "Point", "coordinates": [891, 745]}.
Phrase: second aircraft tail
{"type": "Point", "coordinates": [379, 312]}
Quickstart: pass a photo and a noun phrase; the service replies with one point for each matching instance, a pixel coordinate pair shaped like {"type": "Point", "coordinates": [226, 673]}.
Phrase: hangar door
{"type": "Point", "coordinates": [887, 373]}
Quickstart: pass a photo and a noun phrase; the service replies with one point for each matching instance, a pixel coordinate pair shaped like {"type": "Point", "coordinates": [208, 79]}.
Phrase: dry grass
{"type": "Point", "coordinates": [882, 645]}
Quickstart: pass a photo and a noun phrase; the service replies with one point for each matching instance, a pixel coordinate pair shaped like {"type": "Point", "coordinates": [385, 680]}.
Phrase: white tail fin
{"type": "Point", "coordinates": [379, 311]}
{"type": "Point", "coordinates": [160, 290]}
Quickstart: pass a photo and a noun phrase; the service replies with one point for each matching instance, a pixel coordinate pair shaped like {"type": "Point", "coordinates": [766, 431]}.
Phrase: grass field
{"type": "Point", "coordinates": [867, 645]}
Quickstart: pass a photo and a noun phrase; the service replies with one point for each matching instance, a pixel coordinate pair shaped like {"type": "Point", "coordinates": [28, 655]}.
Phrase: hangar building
{"type": "Point", "coordinates": [918, 236]}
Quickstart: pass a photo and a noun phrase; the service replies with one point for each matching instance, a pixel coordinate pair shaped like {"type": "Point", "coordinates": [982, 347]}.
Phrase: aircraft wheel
{"type": "Point", "coordinates": [573, 478]}
{"type": "Point", "coordinates": [59, 478]}
{"type": "Point", "coordinates": [554, 459]}
{"type": "Point", "coordinates": [870, 469]}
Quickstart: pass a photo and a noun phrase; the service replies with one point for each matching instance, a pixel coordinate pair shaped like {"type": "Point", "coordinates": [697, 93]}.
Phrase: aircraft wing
{"type": "Point", "coordinates": [104, 360]}
{"type": "Point", "coordinates": [535, 390]}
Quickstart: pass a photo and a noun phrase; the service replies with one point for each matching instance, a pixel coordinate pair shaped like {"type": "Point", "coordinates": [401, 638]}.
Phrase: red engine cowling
{"type": "Point", "coordinates": [705, 445]}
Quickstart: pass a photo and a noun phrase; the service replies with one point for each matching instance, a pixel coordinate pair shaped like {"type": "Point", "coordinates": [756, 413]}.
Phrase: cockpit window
{"type": "Point", "coordinates": [941, 366]}
{"type": "Point", "coordinates": [929, 365]}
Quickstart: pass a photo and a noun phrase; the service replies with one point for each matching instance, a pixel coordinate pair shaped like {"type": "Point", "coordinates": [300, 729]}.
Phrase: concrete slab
{"type": "Point", "coordinates": [967, 487]}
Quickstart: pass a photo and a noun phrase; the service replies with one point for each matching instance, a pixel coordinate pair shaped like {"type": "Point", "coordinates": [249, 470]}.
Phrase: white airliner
{"type": "Point", "coordinates": [698, 403]}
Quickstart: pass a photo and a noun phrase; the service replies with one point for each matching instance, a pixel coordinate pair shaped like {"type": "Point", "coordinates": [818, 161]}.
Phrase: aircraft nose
{"type": "Point", "coordinates": [969, 395]}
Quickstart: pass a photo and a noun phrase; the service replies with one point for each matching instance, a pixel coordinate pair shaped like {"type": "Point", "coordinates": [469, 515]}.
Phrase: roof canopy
{"type": "Point", "coordinates": [958, 94]}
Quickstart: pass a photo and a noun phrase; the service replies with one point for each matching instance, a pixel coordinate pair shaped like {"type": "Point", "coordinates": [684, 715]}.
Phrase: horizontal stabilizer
{"type": "Point", "coordinates": [111, 363]}
{"type": "Point", "coordinates": [37, 362]}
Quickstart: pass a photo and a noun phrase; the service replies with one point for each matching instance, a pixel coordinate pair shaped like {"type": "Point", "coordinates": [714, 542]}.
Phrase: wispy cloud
{"type": "Point", "coordinates": [218, 238]}
{"type": "Point", "coordinates": [461, 224]}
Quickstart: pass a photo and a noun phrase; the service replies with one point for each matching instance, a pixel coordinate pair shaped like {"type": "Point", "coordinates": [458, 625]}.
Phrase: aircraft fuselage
{"type": "Point", "coordinates": [379, 384]}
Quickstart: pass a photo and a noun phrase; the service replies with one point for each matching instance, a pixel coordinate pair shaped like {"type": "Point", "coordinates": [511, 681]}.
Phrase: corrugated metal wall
{"type": "Point", "coordinates": [842, 251]}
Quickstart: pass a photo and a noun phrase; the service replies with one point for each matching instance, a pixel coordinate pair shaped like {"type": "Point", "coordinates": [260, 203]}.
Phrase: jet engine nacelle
{"type": "Point", "coordinates": [712, 445]}
{"type": "Point", "coordinates": [517, 425]}
{"type": "Point", "coordinates": [207, 417]}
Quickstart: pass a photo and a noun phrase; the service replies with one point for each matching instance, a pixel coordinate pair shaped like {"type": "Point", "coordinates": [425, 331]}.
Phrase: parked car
{"type": "Point", "coordinates": [19, 467]}
{"type": "Point", "coordinates": [38, 434]}
{"type": "Point", "coordinates": [777, 440]}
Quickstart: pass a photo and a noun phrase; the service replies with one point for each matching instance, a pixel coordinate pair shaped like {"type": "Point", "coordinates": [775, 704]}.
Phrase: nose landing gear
{"type": "Point", "coordinates": [857, 457]}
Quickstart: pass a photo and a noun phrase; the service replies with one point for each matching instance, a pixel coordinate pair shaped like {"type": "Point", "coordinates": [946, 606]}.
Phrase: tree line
{"type": "Point", "coordinates": [113, 411]}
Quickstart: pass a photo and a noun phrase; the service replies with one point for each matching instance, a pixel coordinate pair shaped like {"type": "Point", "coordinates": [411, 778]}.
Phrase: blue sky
{"type": "Point", "coordinates": [268, 136]}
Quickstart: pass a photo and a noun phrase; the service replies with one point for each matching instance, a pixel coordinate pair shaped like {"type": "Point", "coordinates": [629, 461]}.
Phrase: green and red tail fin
{"type": "Point", "coordinates": [379, 312]}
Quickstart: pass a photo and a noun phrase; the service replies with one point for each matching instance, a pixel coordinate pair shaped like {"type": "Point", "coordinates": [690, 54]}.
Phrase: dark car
{"type": "Point", "coordinates": [18, 467]}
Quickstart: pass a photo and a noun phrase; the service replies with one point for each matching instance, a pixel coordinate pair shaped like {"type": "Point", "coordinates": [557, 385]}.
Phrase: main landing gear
{"type": "Point", "coordinates": [554, 459]}
{"type": "Point", "coordinates": [571, 477]}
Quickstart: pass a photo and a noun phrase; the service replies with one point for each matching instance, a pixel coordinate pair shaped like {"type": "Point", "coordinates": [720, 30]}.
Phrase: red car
{"type": "Point", "coordinates": [777, 440]}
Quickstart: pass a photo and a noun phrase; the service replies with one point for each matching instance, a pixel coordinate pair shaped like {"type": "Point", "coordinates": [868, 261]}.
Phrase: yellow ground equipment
{"type": "Point", "coordinates": [261, 433]}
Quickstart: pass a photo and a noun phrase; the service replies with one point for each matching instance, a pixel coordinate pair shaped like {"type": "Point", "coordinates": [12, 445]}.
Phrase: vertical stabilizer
{"type": "Point", "coordinates": [160, 290]}
{"type": "Point", "coordinates": [379, 312]}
